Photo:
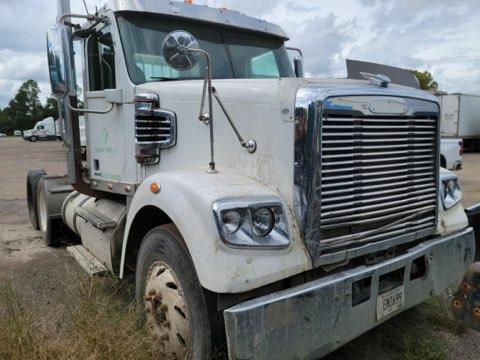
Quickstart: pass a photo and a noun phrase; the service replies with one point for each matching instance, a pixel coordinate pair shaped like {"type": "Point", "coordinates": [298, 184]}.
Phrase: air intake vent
{"type": "Point", "coordinates": [158, 127]}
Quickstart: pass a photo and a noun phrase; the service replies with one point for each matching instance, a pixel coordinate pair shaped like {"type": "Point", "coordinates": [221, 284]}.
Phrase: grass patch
{"type": "Point", "coordinates": [102, 322]}
{"type": "Point", "coordinates": [423, 347]}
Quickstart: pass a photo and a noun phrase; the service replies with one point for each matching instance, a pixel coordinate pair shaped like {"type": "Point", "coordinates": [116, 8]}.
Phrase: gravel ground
{"type": "Point", "coordinates": [40, 274]}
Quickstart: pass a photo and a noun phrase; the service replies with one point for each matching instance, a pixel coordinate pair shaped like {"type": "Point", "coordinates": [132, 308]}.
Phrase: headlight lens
{"type": "Point", "coordinates": [232, 220]}
{"type": "Point", "coordinates": [451, 193]}
{"type": "Point", "coordinates": [263, 220]}
{"type": "Point", "coordinates": [252, 223]}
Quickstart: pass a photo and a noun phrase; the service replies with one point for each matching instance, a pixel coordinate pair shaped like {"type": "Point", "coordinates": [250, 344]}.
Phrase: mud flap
{"type": "Point", "coordinates": [466, 301]}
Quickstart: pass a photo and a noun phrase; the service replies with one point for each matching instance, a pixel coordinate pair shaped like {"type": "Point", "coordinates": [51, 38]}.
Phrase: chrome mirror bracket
{"type": "Point", "coordinates": [88, 111]}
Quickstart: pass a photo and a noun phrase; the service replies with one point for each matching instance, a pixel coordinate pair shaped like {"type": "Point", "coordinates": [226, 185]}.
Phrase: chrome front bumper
{"type": "Point", "coordinates": [313, 319]}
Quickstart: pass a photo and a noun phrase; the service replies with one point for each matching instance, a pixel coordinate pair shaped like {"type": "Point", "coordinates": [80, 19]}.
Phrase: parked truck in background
{"type": "Point", "coordinates": [46, 129]}
{"type": "Point", "coordinates": [451, 152]}
{"type": "Point", "coordinates": [460, 118]}
{"type": "Point", "coordinates": [278, 215]}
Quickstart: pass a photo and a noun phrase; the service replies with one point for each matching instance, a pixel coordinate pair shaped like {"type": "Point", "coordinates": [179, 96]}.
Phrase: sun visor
{"type": "Point", "coordinates": [397, 75]}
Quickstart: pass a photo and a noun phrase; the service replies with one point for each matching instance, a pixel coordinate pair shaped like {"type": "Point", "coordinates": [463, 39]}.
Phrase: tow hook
{"type": "Point", "coordinates": [466, 301]}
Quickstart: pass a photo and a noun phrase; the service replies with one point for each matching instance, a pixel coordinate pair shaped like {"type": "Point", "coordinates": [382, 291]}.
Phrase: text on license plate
{"type": "Point", "coordinates": [390, 302]}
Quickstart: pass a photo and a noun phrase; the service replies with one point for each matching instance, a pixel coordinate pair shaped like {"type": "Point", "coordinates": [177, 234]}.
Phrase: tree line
{"type": "Point", "coordinates": [25, 109]}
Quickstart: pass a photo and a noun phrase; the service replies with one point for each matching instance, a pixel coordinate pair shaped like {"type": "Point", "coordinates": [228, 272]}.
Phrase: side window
{"type": "Point", "coordinates": [264, 66]}
{"type": "Point", "coordinates": [101, 61]}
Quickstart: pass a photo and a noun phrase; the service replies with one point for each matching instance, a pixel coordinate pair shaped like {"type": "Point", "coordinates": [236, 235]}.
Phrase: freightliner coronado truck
{"type": "Point", "coordinates": [279, 215]}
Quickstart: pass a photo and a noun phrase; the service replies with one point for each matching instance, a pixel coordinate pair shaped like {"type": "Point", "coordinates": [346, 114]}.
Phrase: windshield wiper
{"type": "Point", "coordinates": [156, 78]}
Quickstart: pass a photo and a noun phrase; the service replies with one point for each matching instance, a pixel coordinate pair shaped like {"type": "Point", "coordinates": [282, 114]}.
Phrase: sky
{"type": "Point", "coordinates": [441, 36]}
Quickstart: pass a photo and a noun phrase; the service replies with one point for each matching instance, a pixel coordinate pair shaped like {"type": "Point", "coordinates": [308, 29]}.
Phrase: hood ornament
{"type": "Point", "coordinates": [377, 80]}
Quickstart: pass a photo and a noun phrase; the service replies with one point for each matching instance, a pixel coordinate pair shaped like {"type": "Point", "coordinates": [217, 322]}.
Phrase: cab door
{"type": "Point", "coordinates": [105, 140]}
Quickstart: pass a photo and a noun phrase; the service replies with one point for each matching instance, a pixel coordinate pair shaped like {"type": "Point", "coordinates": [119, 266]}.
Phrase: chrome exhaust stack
{"type": "Point", "coordinates": [63, 7]}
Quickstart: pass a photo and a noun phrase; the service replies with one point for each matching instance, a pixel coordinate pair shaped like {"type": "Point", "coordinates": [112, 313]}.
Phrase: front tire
{"type": "Point", "coordinates": [176, 306]}
{"type": "Point", "coordinates": [33, 139]}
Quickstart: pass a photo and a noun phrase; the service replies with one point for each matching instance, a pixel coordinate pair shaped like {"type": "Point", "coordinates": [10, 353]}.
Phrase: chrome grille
{"type": "Point", "coordinates": [157, 127]}
{"type": "Point", "coordinates": [378, 177]}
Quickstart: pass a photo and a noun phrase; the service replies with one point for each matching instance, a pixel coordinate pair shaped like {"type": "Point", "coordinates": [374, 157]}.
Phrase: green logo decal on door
{"type": "Point", "coordinates": [104, 135]}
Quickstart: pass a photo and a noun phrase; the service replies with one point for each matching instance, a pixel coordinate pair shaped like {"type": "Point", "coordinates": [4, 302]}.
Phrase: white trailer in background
{"type": "Point", "coordinates": [460, 118]}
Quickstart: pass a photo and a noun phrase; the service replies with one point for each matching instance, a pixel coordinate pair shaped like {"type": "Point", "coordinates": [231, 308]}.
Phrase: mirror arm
{"type": "Point", "coordinates": [204, 117]}
{"type": "Point", "coordinates": [86, 111]}
{"type": "Point", "coordinates": [208, 87]}
{"type": "Point", "coordinates": [250, 145]}
{"type": "Point", "coordinates": [296, 49]}
{"type": "Point", "coordinates": [61, 19]}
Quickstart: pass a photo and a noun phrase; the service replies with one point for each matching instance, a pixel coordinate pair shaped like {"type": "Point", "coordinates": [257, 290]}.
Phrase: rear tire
{"type": "Point", "coordinates": [33, 177]}
{"type": "Point", "coordinates": [45, 221]}
{"type": "Point", "coordinates": [177, 307]}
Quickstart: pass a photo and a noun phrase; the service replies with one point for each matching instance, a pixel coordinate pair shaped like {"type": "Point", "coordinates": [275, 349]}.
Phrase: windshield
{"type": "Point", "coordinates": [234, 54]}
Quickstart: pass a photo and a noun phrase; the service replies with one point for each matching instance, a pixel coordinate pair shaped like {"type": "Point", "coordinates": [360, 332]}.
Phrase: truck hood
{"type": "Point", "coordinates": [260, 108]}
{"type": "Point", "coordinates": [263, 87]}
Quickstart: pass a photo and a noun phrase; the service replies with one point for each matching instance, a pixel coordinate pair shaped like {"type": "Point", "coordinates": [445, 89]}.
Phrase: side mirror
{"type": "Point", "coordinates": [60, 61]}
{"type": "Point", "coordinates": [178, 50]}
{"type": "Point", "coordinates": [298, 65]}
{"type": "Point", "coordinates": [297, 62]}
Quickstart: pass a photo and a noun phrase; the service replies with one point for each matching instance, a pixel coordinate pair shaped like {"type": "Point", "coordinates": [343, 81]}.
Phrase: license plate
{"type": "Point", "coordinates": [390, 302]}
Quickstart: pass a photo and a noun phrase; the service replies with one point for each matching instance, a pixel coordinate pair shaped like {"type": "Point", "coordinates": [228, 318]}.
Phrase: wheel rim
{"type": "Point", "coordinates": [167, 314]}
{"type": "Point", "coordinates": [42, 209]}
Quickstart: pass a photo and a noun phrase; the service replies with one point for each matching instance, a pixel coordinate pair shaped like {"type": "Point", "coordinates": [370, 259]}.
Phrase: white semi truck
{"type": "Point", "coordinates": [46, 129]}
{"type": "Point", "coordinates": [451, 152]}
{"type": "Point", "coordinates": [279, 215]}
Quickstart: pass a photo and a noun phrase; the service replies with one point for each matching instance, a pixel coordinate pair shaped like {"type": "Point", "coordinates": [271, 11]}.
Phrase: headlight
{"type": "Point", "coordinates": [263, 221]}
{"type": "Point", "coordinates": [232, 220]}
{"type": "Point", "coordinates": [451, 193]}
{"type": "Point", "coordinates": [252, 223]}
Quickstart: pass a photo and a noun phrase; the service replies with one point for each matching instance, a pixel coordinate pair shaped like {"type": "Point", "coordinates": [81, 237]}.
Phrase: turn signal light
{"type": "Point", "coordinates": [155, 188]}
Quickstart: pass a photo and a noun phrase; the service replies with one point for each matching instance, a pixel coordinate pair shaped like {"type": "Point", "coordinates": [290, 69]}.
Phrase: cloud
{"type": "Point", "coordinates": [321, 37]}
{"type": "Point", "coordinates": [23, 24]}
{"type": "Point", "coordinates": [440, 36]}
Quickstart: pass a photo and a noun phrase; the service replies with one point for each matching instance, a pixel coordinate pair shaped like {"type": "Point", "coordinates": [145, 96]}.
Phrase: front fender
{"type": "Point", "coordinates": [187, 198]}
